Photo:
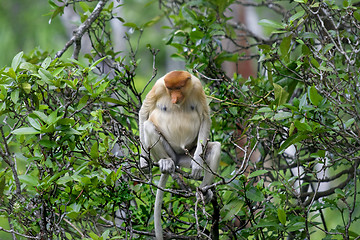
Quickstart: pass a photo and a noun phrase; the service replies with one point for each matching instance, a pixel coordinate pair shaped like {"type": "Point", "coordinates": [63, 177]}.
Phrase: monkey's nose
{"type": "Point", "coordinates": [176, 100]}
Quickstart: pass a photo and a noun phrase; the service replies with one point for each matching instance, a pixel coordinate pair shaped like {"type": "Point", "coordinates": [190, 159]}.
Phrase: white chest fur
{"type": "Point", "coordinates": [182, 121]}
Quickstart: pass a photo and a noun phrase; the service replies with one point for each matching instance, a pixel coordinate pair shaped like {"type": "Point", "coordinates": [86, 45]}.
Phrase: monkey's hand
{"type": "Point", "coordinates": [143, 163]}
{"type": "Point", "coordinates": [196, 167]}
{"type": "Point", "coordinates": [166, 165]}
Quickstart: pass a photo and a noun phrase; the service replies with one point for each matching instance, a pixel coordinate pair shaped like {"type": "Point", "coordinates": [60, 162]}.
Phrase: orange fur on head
{"type": "Point", "coordinates": [175, 82]}
{"type": "Point", "coordinates": [176, 79]}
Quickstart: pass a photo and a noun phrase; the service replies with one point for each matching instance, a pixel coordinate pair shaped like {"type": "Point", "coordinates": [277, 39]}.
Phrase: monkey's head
{"type": "Point", "coordinates": [177, 84]}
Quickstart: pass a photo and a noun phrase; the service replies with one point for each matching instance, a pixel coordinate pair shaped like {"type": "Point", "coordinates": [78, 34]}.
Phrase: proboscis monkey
{"type": "Point", "coordinates": [174, 120]}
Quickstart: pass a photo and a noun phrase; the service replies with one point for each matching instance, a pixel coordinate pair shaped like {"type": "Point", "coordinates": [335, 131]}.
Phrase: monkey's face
{"type": "Point", "coordinates": [177, 84]}
{"type": "Point", "coordinates": [177, 96]}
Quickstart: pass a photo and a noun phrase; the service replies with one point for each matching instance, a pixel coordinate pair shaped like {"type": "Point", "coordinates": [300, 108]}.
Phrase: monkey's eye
{"type": "Point", "coordinates": [174, 88]}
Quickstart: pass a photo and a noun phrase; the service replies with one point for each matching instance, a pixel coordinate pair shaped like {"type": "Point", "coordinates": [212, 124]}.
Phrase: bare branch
{"type": "Point", "coordinates": [80, 31]}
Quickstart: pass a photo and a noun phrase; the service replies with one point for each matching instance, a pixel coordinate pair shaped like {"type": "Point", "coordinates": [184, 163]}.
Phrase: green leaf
{"type": "Point", "coordinates": [16, 61]}
{"type": "Point", "coordinates": [66, 121]}
{"type": "Point", "coordinates": [231, 209]}
{"type": "Point", "coordinates": [255, 194]}
{"type": "Point", "coordinates": [72, 131]}
{"type": "Point", "coordinates": [2, 185]}
{"type": "Point", "coordinates": [130, 25]}
{"type": "Point", "coordinates": [302, 126]}
{"type": "Point", "coordinates": [119, 172]}
{"type": "Point", "coordinates": [3, 92]}
{"type": "Point", "coordinates": [257, 173]}
{"type": "Point", "coordinates": [53, 117]}
{"type": "Point", "coordinates": [282, 116]}
{"type": "Point", "coordinates": [57, 71]}
{"type": "Point", "coordinates": [297, 137]}
{"type": "Point", "coordinates": [85, 7]}
{"type": "Point", "coordinates": [314, 96]}
{"type": "Point", "coordinates": [26, 87]}
{"type": "Point", "coordinates": [48, 143]}
{"type": "Point", "coordinates": [303, 101]}
{"type": "Point", "coordinates": [296, 16]}
{"type": "Point", "coordinates": [94, 152]}
{"type": "Point", "coordinates": [56, 12]}
{"type": "Point", "coordinates": [281, 215]}
{"type": "Point", "coordinates": [264, 110]}
{"type": "Point", "coordinates": [222, 57]}
{"type": "Point", "coordinates": [34, 123]}
{"type": "Point", "coordinates": [285, 46]}
{"type": "Point", "coordinates": [56, 176]}
{"type": "Point", "coordinates": [328, 47]}
{"type": "Point", "coordinates": [11, 73]}
{"type": "Point", "coordinates": [29, 180]}
{"type": "Point", "coordinates": [271, 24]}
{"type": "Point", "coordinates": [112, 100]}
{"type": "Point", "coordinates": [105, 235]}
{"type": "Point", "coordinates": [291, 129]}
{"type": "Point", "coordinates": [267, 223]}
{"type": "Point", "coordinates": [25, 131]}
{"type": "Point", "coordinates": [41, 115]}
{"type": "Point", "coordinates": [152, 21]}
{"type": "Point", "coordinates": [96, 63]}
{"type": "Point", "coordinates": [295, 226]}
{"type": "Point", "coordinates": [281, 95]}
{"type": "Point", "coordinates": [83, 102]}
{"type": "Point", "coordinates": [308, 35]}
{"type": "Point", "coordinates": [63, 180]}
{"type": "Point", "coordinates": [339, 192]}
{"type": "Point", "coordinates": [46, 63]}
{"type": "Point", "coordinates": [357, 15]}
{"type": "Point", "coordinates": [3, 107]}
{"type": "Point", "coordinates": [320, 153]}
{"type": "Point", "coordinates": [269, 68]}
{"type": "Point", "coordinates": [111, 178]}
{"type": "Point", "coordinates": [46, 76]}
{"type": "Point", "coordinates": [314, 62]}
{"type": "Point", "coordinates": [15, 95]}
{"type": "Point", "coordinates": [28, 66]}
{"type": "Point", "coordinates": [101, 88]}
{"type": "Point", "coordinates": [349, 122]}
{"type": "Point", "coordinates": [189, 15]}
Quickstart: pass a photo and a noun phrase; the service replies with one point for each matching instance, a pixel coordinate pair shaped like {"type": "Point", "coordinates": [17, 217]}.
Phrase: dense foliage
{"type": "Point", "coordinates": [69, 134]}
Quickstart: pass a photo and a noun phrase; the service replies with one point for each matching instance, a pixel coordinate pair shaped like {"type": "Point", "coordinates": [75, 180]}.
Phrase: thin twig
{"type": "Point", "coordinates": [80, 31]}
{"type": "Point", "coordinates": [19, 234]}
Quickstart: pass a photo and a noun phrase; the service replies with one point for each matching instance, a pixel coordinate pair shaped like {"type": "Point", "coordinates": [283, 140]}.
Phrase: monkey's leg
{"type": "Point", "coordinates": [159, 148]}
{"type": "Point", "coordinates": [212, 158]}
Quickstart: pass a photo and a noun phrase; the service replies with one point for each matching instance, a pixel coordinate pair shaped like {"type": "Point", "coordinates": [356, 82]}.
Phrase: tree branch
{"type": "Point", "coordinates": [17, 233]}
{"type": "Point", "coordinates": [80, 31]}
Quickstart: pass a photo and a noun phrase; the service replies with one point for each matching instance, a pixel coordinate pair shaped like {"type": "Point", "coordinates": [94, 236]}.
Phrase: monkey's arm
{"type": "Point", "coordinates": [198, 162]}
{"type": "Point", "coordinates": [145, 110]}
{"type": "Point", "coordinates": [204, 131]}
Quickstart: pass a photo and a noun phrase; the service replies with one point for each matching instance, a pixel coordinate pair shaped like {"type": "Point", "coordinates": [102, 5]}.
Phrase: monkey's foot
{"type": "Point", "coordinates": [207, 197]}
{"type": "Point", "coordinates": [143, 163]}
{"type": "Point", "coordinates": [166, 165]}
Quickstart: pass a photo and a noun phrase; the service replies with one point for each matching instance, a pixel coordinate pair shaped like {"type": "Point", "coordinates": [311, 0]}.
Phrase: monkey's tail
{"type": "Point", "coordinates": [158, 204]}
